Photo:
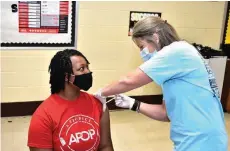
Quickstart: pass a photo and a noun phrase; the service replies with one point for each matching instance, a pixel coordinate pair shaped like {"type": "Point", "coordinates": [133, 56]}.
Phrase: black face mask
{"type": "Point", "coordinates": [84, 81]}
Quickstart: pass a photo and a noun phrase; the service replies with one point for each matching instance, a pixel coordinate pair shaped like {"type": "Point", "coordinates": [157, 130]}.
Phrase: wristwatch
{"type": "Point", "coordinates": [136, 106]}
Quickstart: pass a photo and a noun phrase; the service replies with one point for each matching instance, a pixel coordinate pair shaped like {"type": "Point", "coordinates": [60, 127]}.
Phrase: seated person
{"type": "Point", "coordinates": [70, 119]}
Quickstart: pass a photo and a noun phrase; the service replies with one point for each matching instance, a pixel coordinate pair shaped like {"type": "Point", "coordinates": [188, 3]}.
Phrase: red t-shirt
{"type": "Point", "coordinates": [66, 125]}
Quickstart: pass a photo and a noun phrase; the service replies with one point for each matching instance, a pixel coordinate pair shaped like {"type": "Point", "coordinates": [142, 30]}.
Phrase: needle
{"type": "Point", "coordinates": [110, 100]}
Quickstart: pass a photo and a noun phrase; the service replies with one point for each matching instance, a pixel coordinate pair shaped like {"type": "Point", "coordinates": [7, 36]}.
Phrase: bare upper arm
{"type": "Point", "coordinates": [106, 141]}
{"type": "Point", "coordinates": [39, 149]}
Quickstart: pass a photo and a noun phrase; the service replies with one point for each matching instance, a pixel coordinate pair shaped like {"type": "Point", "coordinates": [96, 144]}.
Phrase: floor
{"type": "Point", "coordinates": [130, 132]}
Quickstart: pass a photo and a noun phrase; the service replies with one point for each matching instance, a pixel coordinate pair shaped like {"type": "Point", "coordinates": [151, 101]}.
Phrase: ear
{"type": "Point", "coordinates": [71, 78]}
{"type": "Point", "coordinates": [156, 38]}
{"type": "Point", "coordinates": [66, 77]}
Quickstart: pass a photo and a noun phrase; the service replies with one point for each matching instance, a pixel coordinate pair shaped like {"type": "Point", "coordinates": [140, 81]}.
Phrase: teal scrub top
{"type": "Point", "coordinates": [191, 97]}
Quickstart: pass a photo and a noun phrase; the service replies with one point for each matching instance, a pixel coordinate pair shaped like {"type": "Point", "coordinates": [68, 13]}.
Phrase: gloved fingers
{"type": "Point", "coordinates": [101, 99]}
{"type": "Point", "coordinates": [117, 95]}
{"type": "Point", "coordinates": [121, 96]}
{"type": "Point", "coordinates": [98, 93]}
{"type": "Point", "coordinates": [118, 98]}
{"type": "Point", "coordinates": [118, 102]}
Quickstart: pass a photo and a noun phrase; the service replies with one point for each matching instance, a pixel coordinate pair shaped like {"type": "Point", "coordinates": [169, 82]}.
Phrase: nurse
{"type": "Point", "coordinates": [191, 100]}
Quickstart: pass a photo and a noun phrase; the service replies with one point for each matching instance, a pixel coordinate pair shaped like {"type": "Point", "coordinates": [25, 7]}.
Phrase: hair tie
{"type": "Point", "coordinates": [165, 21]}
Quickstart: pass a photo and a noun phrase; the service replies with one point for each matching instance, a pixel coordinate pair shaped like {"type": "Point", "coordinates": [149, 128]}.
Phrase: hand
{"type": "Point", "coordinates": [124, 101]}
{"type": "Point", "coordinates": [101, 98]}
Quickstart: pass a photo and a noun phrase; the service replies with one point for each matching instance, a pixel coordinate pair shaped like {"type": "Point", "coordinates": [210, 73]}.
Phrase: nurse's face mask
{"type": "Point", "coordinates": [146, 55]}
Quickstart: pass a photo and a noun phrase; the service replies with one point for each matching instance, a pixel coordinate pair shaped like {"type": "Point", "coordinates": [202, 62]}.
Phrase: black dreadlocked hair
{"type": "Point", "coordinates": [61, 65]}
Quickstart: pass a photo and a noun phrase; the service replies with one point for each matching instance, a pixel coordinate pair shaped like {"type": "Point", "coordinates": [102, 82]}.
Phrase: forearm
{"type": "Point", "coordinates": [121, 86]}
{"type": "Point", "coordinates": [131, 81]}
{"type": "Point", "coordinates": [157, 112]}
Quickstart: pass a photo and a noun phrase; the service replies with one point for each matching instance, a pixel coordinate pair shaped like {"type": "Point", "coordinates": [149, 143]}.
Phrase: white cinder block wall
{"type": "Point", "coordinates": [103, 38]}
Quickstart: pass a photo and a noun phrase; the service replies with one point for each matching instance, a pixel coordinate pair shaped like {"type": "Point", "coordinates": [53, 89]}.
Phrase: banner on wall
{"type": "Point", "coordinates": [135, 16]}
{"type": "Point", "coordinates": [43, 16]}
{"type": "Point", "coordinates": [225, 46]}
{"type": "Point", "coordinates": [38, 24]}
{"type": "Point", "coordinates": [227, 36]}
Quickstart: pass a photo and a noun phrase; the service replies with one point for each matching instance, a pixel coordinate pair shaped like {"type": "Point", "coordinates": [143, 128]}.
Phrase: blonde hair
{"type": "Point", "coordinates": [145, 29]}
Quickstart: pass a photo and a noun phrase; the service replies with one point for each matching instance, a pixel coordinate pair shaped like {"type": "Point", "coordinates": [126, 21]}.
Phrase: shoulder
{"type": "Point", "coordinates": [178, 48]}
{"type": "Point", "coordinates": [41, 119]}
{"type": "Point", "coordinates": [92, 98]}
{"type": "Point", "coordinates": [178, 52]}
{"type": "Point", "coordinates": [44, 108]}
{"type": "Point", "coordinates": [40, 128]}
{"type": "Point", "coordinates": [95, 102]}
